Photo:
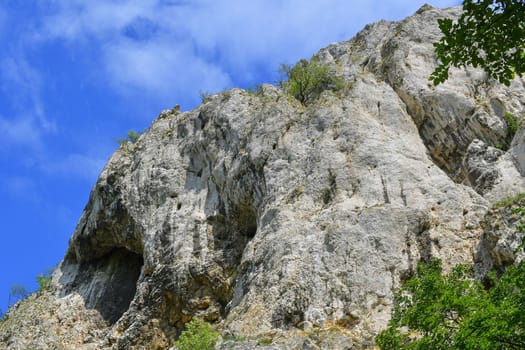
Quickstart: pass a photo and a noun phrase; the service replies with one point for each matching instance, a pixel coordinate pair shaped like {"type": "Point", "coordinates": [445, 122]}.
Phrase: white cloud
{"type": "Point", "coordinates": [161, 67]}
{"type": "Point", "coordinates": [19, 76]}
{"type": "Point", "coordinates": [22, 131]}
{"type": "Point", "coordinates": [22, 188]}
{"type": "Point", "coordinates": [170, 48]}
{"type": "Point", "coordinates": [21, 85]}
{"type": "Point", "coordinates": [77, 19]}
{"type": "Point", "coordinates": [75, 165]}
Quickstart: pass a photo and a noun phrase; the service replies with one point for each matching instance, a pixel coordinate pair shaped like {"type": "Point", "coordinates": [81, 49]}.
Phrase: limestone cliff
{"type": "Point", "coordinates": [272, 219]}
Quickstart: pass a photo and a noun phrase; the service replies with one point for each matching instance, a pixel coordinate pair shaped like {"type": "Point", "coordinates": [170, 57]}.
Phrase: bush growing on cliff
{"type": "Point", "coordinates": [199, 335]}
{"type": "Point", "coordinates": [132, 137]}
{"type": "Point", "coordinates": [44, 280]}
{"type": "Point", "coordinates": [308, 79]}
{"type": "Point", "coordinates": [205, 96]}
{"type": "Point", "coordinates": [512, 125]}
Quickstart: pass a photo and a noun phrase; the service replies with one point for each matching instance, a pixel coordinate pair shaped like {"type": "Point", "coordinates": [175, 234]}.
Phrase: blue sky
{"type": "Point", "coordinates": [77, 75]}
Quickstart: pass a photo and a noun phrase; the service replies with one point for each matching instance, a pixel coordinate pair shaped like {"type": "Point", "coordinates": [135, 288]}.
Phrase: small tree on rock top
{"type": "Point", "coordinates": [308, 79]}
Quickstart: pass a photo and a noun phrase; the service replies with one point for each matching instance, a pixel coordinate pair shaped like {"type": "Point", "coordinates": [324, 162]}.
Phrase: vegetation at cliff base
{"type": "Point", "coordinates": [433, 310]}
{"type": "Point", "coordinates": [19, 292]}
{"type": "Point", "coordinates": [454, 311]}
{"type": "Point", "coordinates": [489, 34]}
{"type": "Point", "coordinates": [308, 79]}
{"type": "Point", "coordinates": [199, 335]}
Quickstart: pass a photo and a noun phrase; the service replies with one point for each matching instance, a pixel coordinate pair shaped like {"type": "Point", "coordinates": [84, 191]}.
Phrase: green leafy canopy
{"type": "Point", "coordinates": [437, 311]}
{"type": "Point", "coordinates": [198, 335]}
{"type": "Point", "coordinates": [308, 79]}
{"type": "Point", "coordinates": [489, 34]}
{"type": "Point", "coordinates": [454, 311]}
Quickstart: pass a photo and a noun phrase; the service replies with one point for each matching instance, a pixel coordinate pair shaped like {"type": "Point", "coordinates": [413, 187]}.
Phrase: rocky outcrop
{"type": "Point", "coordinates": [290, 223]}
{"type": "Point", "coordinates": [504, 231]}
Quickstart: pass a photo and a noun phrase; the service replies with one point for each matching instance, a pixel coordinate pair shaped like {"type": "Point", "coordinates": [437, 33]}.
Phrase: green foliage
{"type": "Point", "coordinates": [255, 89]}
{"type": "Point", "coordinates": [132, 137]}
{"type": "Point", "coordinates": [16, 293]}
{"type": "Point", "coordinates": [199, 335]}
{"type": "Point", "coordinates": [520, 210]}
{"type": "Point", "coordinates": [489, 34]}
{"type": "Point", "coordinates": [265, 341]}
{"type": "Point", "coordinates": [454, 311]}
{"type": "Point", "coordinates": [122, 141]}
{"type": "Point", "coordinates": [44, 280]}
{"type": "Point", "coordinates": [308, 79]}
{"type": "Point", "coordinates": [512, 124]}
{"type": "Point", "coordinates": [518, 199]}
{"type": "Point", "coordinates": [205, 96]}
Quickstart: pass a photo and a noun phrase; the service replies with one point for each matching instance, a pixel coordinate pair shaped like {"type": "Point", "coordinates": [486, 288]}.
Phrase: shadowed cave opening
{"type": "Point", "coordinates": [108, 283]}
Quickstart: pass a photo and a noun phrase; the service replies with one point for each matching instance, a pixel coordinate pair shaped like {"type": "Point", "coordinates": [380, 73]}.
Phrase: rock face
{"type": "Point", "coordinates": [294, 223]}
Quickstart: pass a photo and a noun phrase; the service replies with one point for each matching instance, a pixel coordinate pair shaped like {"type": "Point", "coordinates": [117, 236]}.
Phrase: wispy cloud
{"type": "Point", "coordinates": [169, 50]}
{"type": "Point", "coordinates": [78, 19]}
{"type": "Point", "coordinates": [182, 47]}
{"type": "Point", "coordinates": [74, 165]}
{"type": "Point", "coordinates": [21, 188]}
{"type": "Point", "coordinates": [21, 131]}
{"type": "Point", "coordinates": [161, 67]}
{"type": "Point", "coordinates": [21, 85]}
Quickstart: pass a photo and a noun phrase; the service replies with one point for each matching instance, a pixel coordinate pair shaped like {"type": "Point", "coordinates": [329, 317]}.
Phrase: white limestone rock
{"type": "Point", "coordinates": [272, 219]}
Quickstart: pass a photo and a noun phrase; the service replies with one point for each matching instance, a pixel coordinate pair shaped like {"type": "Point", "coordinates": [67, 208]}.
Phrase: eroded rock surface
{"type": "Point", "coordinates": [502, 236]}
{"type": "Point", "coordinates": [272, 219]}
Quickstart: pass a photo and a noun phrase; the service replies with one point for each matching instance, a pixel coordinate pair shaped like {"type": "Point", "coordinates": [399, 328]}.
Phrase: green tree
{"type": "Point", "coordinates": [489, 34]}
{"type": "Point", "coordinates": [205, 96]}
{"type": "Point", "coordinates": [17, 292]}
{"type": "Point", "coordinates": [455, 311]}
{"type": "Point", "coordinates": [308, 79]}
{"type": "Point", "coordinates": [44, 280]}
{"type": "Point", "coordinates": [132, 137]}
{"type": "Point", "coordinates": [435, 311]}
{"type": "Point", "coordinates": [199, 335]}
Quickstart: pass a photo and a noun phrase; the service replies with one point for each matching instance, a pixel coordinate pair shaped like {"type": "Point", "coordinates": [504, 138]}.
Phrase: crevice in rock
{"type": "Point", "coordinates": [233, 230]}
{"type": "Point", "coordinates": [329, 192]}
{"type": "Point", "coordinates": [419, 224]}
{"type": "Point", "coordinates": [479, 166]}
{"type": "Point", "coordinates": [498, 246]}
